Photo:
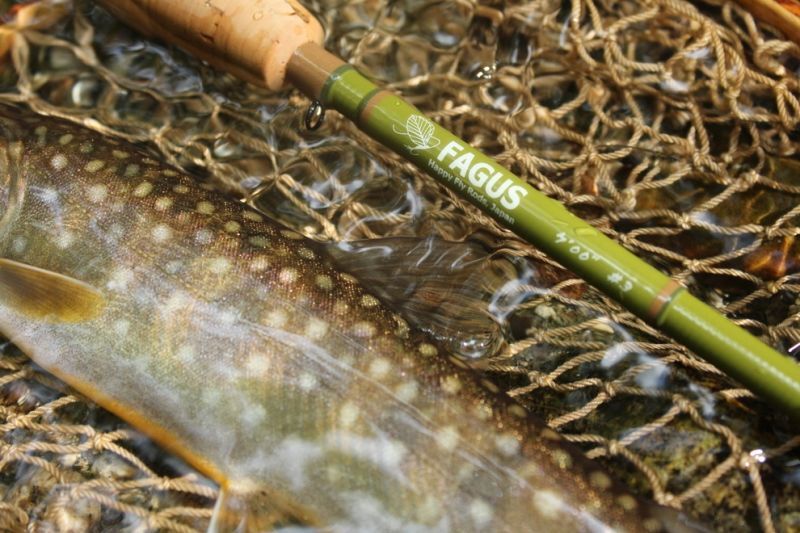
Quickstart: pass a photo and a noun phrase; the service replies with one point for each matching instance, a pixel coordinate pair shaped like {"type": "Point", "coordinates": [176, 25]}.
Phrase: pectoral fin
{"type": "Point", "coordinates": [444, 288]}
{"type": "Point", "coordinates": [46, 295]}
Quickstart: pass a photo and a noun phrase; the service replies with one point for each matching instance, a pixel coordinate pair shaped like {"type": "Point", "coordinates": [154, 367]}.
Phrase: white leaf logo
{"type": "Point", "coordinates": [420, 131]}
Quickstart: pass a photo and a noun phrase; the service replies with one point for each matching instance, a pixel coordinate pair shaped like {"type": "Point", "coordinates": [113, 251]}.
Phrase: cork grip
{"type": "Point", "coordinates": [251, 39]}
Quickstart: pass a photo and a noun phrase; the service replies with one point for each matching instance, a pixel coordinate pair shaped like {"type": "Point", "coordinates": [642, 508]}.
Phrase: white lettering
{"type": "Point", "coordinates": [451, 149]}
{"type": "Point", "coordinates": [462, 163]}
{"type": "Point", "coordinates": [477, 172]}
{"type": "Point", "coordinates": [513, 197]}
{"type": "Point", "coordinates": [498, 191]}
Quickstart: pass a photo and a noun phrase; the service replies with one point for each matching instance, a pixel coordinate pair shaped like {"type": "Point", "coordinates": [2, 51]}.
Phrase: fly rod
{"type": "Point", "coordinates": [275, 42]}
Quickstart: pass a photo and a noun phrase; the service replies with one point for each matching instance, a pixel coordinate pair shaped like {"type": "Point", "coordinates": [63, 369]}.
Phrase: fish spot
{"type": "Point", "coordinates": [305, 253]}
{"type": "Point", "coordinates": [340, 307]}
{"type": "Point", "coordinates": [369, 301]}
{"type": "Point", "coordinates": [257, 365]}
{"type": "Point", "coordinates": [259, 241]}
{"type": "Point", "coordinates": [121, 327]}
{"type": "Point", "coordinates": [19, 244]}
{"type": "Point", "coordinates": [288, 275]}
{"type": "Point", "coordinates": [430, 510]}
{"type": "Point", "coordinates": [563, 459]}
{"type": "Point", "coordinates": [403, 330]}
{"type": "Point", "coordinates": [65, 139]}
{"type": "Point", "coordinates": [65, 239]}
{"type": "Point", "coordinates": [447, 438]}
{"type": "Point", "coordinates": [293, 235]}
{"type": "Point", "coordinates": [86, 148]}
{"type": "Point", "coordinates": [181, 189]}
{"type": "Point", "coordinates": [132, 170]}
{"type": "Point", "coordinates": [254, 416]}
{"type": "Point", "coordinates": [204, 236]}
{"type": "Point", "coordinates": [163, 203]}
{"type": "Point", "coordinates": [119, 154]}
{"type": "Point", "coordinates": [259, 263]}
{"type": "Point", "coordinates": [250, 215]}
{"type": "Point", "coordinates": [276, 318]}
{"type": "Point", "coordinates": [599, 480]}
{"type": "Point", "coordinates": [651, 524]}
{"type": "Point", "coordinates": [173, 267]}
{"type": "Point", "coordinates": [517, 411]}
{"type": "Point", "coordinates": [232, 226]}
{"type": "Point", "coordinates": [407, 391]}
{"type": "Point", "coordinates": [364, 330]}
{"type": "Point", "coordinates": [41, 131]}
{"type": "Point", "coordinates": [219, 265]}
{"type": "Point", "coordinates": [379, 368]}
{"type": "Point", "coordinates": [324, 282]}
{"type": "Point", "coordinates": [120, 278]}
{"type": "Point", "coordinates": [428, 350]}
{"type": "Point", "coordinates": [483, 411]}
{"type": "Point", "coordinates": [627, 502]}
{"type": "Point", "coordinates": [490, 386]}
{"type": "Point", "coordinates": [143, 189]}
{"type": "Point", "coordinates": [548, 503]}
{"type": "Point", "coordinates": [316, 329]}
{"type": "Point", "coordinates": [347, 278]}
{"type": "Point", "coordinates": [97, 193]}
{"type": "Point", "coordinates": [307, 382]}
{"type": "Point", "coordinates": [348, 414]}
{"type": "Point", "coordinates": [507, 444]}
{"type": "Point", "coordinates": [205, 207]}
{"type": "Point", "coordinates": [481, 512]}
{"type": "Point", "coordinates": [451, 384]}
{"type": "Point", "coordinates": [169, 173]}
{"type": "Point", "coordinates": [457, 361]}
{"type": "Point", "coordinates": [94, 165]}
{"type": "Point", "coordinates": [549, 434]}
{"type": "Point", "coordinates": [186, 353]}
{"type": "Point", "coordinates": [58, 162]}
{"type": "Point", "coordinates": [176, 302]}
{"type": "Point", "coordinates": [161, 233]}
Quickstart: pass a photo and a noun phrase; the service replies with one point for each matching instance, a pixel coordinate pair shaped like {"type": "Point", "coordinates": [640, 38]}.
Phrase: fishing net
{"type": "Point", "coordinates": [670, 125]}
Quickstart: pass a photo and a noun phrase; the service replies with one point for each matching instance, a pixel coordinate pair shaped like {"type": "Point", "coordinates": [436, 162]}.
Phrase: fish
{"type": "Point", "coordinates": [240, 345]}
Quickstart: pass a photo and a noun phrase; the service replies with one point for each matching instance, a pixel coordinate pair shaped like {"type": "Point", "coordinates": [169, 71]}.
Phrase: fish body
{"type": "Point", "coordinates": [236, 343]}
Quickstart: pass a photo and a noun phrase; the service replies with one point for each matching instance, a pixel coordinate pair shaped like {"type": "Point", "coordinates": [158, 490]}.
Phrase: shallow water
{"type": "Point", "coordinates": [638, 124]}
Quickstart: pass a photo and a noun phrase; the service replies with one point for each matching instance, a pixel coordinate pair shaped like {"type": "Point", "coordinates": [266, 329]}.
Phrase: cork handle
{"type": "Point", "coordinates": [252, 39]}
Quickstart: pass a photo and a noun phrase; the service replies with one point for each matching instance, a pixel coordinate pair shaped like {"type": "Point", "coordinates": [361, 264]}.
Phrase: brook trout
{"type": "Point", "coordinates": [235, 343]}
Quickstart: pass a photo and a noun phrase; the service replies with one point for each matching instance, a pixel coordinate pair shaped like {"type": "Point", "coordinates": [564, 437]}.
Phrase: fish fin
{"type": "Point", "coordinates": [442, 287]}
{"type": "Point", "coordinates": [46, 295]}
{"type": "Point", "coordinates": [247, 511]}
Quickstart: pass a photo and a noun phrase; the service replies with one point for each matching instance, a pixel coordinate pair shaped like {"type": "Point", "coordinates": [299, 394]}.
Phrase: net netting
{"type": "Point", "coordinates": [671, 126]}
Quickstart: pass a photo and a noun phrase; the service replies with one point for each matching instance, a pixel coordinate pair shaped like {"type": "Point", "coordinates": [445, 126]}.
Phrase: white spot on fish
{"type": "Point", "coordinates": [599, 480]}
{"type": "Point", "coordinates": [348, 414]}
{"type": "Point", "coordinates": [250, 215]}
{"type": "Point", "coordinates": [173, 267]}
{"type": "Point", "coordinates": [253, 416]}
{"type": "Point", "coordinates": [257, 366]}
{"type": "Point", "coordinates": [307, 382]}
{"type": "Point", "coordinates": [186, 353]}
{"type": "Point", "coordinates": [176, 302]}
{"type": "Point", "coordinates": [407, 391]}
{"type": "Point", "coordinates": [94, 165]}
{"type": "Point", "coordinates": [65, 239]}
{"type": "Point", "coordinates": [181, 189]}
{"type": "Point", "coordinates": [232, 226]}
{"type": "Point", "coordinates": [451, 384]}
{"type": "Point", "coordinates": [364, 330]}
{"type": "Point", "coordinates": [120, 278]}
{"type": "Point", "coordinates": [119, 154]}
{"type": "Point", "coordinates": [65, 139]}
{"type": "Point", "coordinates": [305, 253]}
{"type": "Point", "coordinates": [507, 444]}
{"type": "Point", "coordinates": [203, 236]}
{"type": "Point", "coordinates": [169, 173]}
{"type": "Point", "coordinates": [161, 233]}
{"type": "Point", "coordinates": [259, 263]}
{"type": "Point", "coordinates": [205, 208]}
{"type": "Point", "coordinates": [277, 318]}
{"type": "Point", "coordinates": [288, 275]}
{"type": "Point", "coordinates": [428, 350]}
{"type": "Point", "coordinates": [19, 244]}
{"type": "Point", "coordinates": [447, 438]}
{"type": "Point", "coordinates": [289, 234]}
{"type": "Point", "coordinates": [379, 367]}
{"type": "Point", "coordinates": [132, 170]}
{"type": "Point", "coordinates": [58, 162]}
{"type": "Point", "coordinates": [316, 329]}
{"type": "Point", "coordinates": [97, 193]}
{"type": "Point", "coordinates": [163, 203]}
{"type": "Point", "coordinates": [259, 241]}
{"type": "Point", "coordinates": [548, 503]}
{"type": "Point", "coordinates": [228, 316]}
{"type": "Point", "coordinates": [369, 301]}
{"type": "Point", "coordinates": [481, 512]}
{"type": "Point", "coordinates": [324, 282]}
{"type": "Point", "coordinates": [219, 265]}
{"type": "Point", "coordinates": [143, 189]}
{"type": "Point", "coordinates": [121, 327]}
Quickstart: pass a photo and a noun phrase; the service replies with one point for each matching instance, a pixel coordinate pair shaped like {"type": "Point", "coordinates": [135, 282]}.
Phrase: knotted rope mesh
{"type": "Point", "coordinates": [670, 125]}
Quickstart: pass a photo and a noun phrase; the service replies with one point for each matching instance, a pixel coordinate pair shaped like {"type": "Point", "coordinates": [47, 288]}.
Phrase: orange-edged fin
{"type": "Point", "coordinates": [46, 295]}
{"type": "Point", "coordinates": [250, 511]}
